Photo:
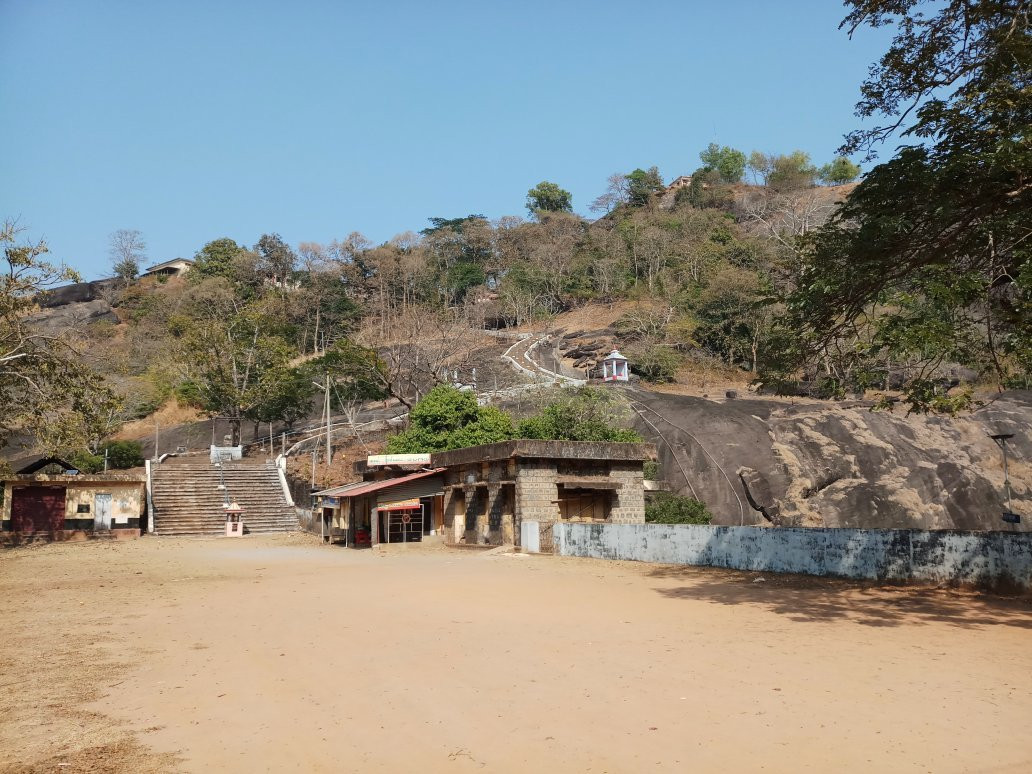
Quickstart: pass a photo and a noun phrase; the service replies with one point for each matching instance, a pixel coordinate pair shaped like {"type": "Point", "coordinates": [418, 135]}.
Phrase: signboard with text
{"type": "Point", "coordinates": [374, 460]}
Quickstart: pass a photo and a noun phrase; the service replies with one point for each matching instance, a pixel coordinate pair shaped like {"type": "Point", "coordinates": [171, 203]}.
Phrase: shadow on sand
{"type": "Point", "coordinates": [809, 599]}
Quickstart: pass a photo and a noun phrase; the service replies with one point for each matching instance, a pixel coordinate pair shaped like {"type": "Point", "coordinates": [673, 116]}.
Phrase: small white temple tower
{"type": "Point", "coordinates": [614, 368]}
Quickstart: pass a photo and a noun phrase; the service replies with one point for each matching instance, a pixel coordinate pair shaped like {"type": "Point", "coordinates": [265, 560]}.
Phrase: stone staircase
{"type": "Point", "coordinates": [187, 499]}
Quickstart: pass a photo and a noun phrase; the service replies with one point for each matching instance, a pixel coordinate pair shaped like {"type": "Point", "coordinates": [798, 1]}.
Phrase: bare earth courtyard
{"type": "Point", "coordinates": [279, 654]}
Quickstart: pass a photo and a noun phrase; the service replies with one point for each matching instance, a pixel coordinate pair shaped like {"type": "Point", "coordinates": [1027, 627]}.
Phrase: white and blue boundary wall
{"type": "Point", "coordinates": [994, 560]}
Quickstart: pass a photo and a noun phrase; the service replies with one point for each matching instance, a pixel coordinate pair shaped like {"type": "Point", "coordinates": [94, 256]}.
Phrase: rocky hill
{"type": "Point", "coordinates": [841, 464]}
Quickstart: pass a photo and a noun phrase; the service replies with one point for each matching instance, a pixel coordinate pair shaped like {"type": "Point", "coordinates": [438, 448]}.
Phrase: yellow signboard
{"type": "Point", "coordinates": [400, 505]}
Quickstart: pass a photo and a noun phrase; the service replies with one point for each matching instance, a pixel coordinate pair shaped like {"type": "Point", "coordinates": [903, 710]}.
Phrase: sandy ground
{"type": "Point", "coordinates": [279, 654]}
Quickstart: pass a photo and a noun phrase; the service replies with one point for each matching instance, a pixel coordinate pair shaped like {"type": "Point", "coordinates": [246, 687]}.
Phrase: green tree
{"type": "Point", "coordinates": [45, 390]}
{"type": "Point", "coordinates": [728, 163]}
{"type": "Point", "coordinates": [642, 185]}
{"type": "Point", "coordinates": [707, 189]}
{"type": "Point", "coordinates": [216, 259]}
{"type": "Point", "coordinates": [448, 418]}
{"type": "Point", "coordinates": [668, 508]}
{"type": "Point", "coordinates": [941, 228]}
{"type": "Point", "coordinates": [783, 171]}
{"type": "Point", "coordinates": [584, 414]}
{"type": "Point", "coordinates": [462, 249]}
{"type": "Point", "coordinates": [122, 454]}
{"type": "Point", "coordinates": [655, 362]}
{"type": "Point", "coordinates": [839, 171]}
{"type": "Point", "coordinates": [278, 260]}
{"type": "Point", "coordinates": [548, 197]}
{"type": "Point", "coordinates": [232, 356]}
{"type": "Point", "coordinates": [356, 373]}
{"type": "Point", "coordinates": [286, 396]}
{"type": "Point", "coordinates": [733, 320]}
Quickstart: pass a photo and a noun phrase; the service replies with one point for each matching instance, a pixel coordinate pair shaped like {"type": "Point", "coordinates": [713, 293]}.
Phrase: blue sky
{"type": "Point", "coordinates": [195, 120]}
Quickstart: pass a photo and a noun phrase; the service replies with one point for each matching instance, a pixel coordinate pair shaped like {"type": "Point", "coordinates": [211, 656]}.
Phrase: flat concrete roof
{"type": "Point", "coordinates": [571, 450]}
{"type": "Point", "coordinates": [84, 479]}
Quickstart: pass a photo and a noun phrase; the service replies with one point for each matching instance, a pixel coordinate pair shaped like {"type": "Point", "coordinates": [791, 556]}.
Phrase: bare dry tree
{"type": "Point", "coordinates": [127, 250]}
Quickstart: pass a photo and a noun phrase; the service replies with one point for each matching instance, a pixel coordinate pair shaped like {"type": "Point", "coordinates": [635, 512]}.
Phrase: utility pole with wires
{"type": "Point", "coordinates": [325, 387]}
{"type": "Point", "coordinates": [329, 447]}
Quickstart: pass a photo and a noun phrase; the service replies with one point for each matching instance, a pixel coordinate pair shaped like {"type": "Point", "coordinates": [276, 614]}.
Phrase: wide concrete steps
{"type": "Point", "coordinates": [188, 497]}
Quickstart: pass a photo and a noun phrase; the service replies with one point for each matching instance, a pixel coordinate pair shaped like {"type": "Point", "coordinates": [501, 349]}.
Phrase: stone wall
{"type": "Point", "coordinates": [998, 560]}
{"type": "Point", "coordinates": [630, 497]}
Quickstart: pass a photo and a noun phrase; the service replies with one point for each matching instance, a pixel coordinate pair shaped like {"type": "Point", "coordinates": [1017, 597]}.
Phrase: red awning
{"type": "Point", "coordinates": [367, 487]}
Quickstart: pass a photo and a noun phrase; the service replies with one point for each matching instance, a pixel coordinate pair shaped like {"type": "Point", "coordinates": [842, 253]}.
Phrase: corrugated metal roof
{"type": "Point", "coordinates": [424, 487]}
{"type": "Point", "coordinates": [366, 487]}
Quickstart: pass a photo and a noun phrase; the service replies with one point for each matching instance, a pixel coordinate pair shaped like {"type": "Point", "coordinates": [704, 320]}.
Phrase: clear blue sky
{"type": "Point", "coordinates": [195, 120]}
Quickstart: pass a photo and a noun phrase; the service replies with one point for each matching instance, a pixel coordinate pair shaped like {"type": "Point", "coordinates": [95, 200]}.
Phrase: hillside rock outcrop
{"type": "Point", "coordinates": [842, 465]}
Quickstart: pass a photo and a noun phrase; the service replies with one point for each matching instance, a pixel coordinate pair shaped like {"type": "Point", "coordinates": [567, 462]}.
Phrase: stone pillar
{"type": "Point", "coordinates": [537, 495]}
{"type": "Point", "coordinates": [374, 521]}
{"type": "Point", "coordinates": [490, 529]}
{"type": "Point", "coordinates": [469, 514]}
{"type": "Point", "coordinates": [629, 499]}
{"type": "Point", "coordinates": [449, 515]}
{"type": "Point", "coordinates": [508, 536]}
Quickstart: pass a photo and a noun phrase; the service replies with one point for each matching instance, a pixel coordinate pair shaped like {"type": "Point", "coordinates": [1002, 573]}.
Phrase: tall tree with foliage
{"type": "Point", "coordinates": [933, 249]}
{"type": "Point", "coordinates": [463, 252]}
{"type": "Point", "coordinates": [839, 171]}
{"type": "Point", "coordinates": [642, 185]}
{"type": "Point", "coordinates": [44, 389]}
{"type": "Point", "coordinates": [238, 366]}
{"type": "Point", "coordinates": [216, 259]}
{"type": "Point", "coordinates": [548, 197]}
{"type": "Point", "coordinates": [278, 260]}
{"type": "Point", "coordinates": [728, 163]}
{"type": "Point", "coordinates": [783, 171]}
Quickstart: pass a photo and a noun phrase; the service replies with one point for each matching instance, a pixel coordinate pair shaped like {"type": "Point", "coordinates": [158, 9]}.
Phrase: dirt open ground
{"type": "Point", "coordinates": [279, 654]}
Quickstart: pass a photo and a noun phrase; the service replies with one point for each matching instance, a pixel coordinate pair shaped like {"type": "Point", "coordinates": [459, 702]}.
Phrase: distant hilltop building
{"type": "Point", "coordinates": [173, 268]}
{"type": "Point", "coordinates": [680, 182]}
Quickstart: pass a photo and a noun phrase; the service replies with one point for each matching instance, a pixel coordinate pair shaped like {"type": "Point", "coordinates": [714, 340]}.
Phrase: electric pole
{"type": "Point", "coordinates": [329, 448]}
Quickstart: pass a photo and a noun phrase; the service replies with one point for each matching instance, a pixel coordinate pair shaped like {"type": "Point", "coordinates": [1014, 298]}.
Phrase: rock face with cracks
{"type": "Point", "coordinates": [826, 464]}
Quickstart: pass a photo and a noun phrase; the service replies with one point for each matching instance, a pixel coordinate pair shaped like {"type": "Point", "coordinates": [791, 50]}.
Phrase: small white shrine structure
{"type": "Point", "coordinates": [614, 367]}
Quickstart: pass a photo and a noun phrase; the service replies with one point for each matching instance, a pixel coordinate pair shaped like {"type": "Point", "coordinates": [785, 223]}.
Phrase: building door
{"type": "Point", "coordinates": [37, 509]}
{"type": "Point", "coordinates": [404, 525]}
{"type": "Point", "coordinates": [102, 511]}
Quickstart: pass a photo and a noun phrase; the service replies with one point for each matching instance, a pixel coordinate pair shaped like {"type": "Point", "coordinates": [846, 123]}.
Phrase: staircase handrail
{"type": "Point", "coordinates": [222, 482]}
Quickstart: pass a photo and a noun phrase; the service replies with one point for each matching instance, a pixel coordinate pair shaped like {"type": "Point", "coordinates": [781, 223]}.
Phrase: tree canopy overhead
{"type": "Point", "coordinates": [44, 390]}
{"type": "Point", "coordinates": [930, 258]}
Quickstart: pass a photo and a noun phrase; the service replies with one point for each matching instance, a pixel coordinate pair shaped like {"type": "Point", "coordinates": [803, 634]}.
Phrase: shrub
{"type": "Point", "coordinates": [655, 363]}
{"type": "Point", "coordinates": [188, 394]}
{"type": "Point", "coordinates": [584, 414]}
{"type": "Point", "coordinates": [122, 454]}
{"type": "Point", "coordinates": [448, 418]}
{"type": "Point", "coordinates": [668, 508]}
{"type": "Point", "coordinates": [85, 462]}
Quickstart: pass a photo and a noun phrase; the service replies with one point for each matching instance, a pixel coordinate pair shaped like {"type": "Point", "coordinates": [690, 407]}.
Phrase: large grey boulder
{"type": "Point", "coordinates": [816, 463]}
